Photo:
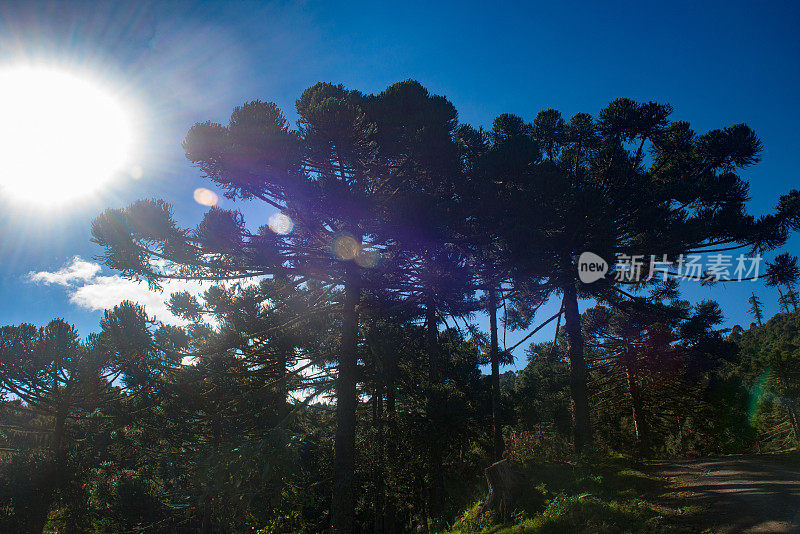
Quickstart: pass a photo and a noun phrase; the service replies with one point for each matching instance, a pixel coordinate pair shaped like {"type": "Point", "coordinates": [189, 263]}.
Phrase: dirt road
{"type": "Point", "coordinates": [733, 494]}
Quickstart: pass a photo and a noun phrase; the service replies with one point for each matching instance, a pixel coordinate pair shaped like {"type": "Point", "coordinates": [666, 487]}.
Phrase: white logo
{"type": "Point", "coordinates": [591, 267]}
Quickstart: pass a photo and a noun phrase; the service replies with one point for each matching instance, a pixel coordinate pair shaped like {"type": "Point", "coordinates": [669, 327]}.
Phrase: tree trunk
{"type": "Point", "coordinates": [794, 423]}
{"type": "Point", "coordinates": [431, 341]}
{"type": "Point", "coordinates": [639, 423]}
{"type": "Point", "coordinates": [59, 429]}
{"type": "Point", "coordinates": [554, 348]}
{"type": "Point", "coordinates": [343, 501]}
{"type": "Point", "coordinates": [505, 486]}
{"type": "Point", "coordinates": [577, 370]}
{"type": "Point", "coordinates": [380, 468]}
{"type": "Point", "coordinates": [53, 476]}
{"type": "Point", "coordinates": [497, 432]}
{"type": "Point", "coordinates": [436, 486]}
{"type": "Point", "coordinates": [389, 508]}
{"type": "Point", "coordinates": [782, 304]}
{"type": "Point", "coordinates": [681, 439]}
{"type": "Point", "coordinates": [58, 450]}
{"type": "Point", "coordinates": [283, 386]}
{"type": "Point", "coordinates": [756, 310]}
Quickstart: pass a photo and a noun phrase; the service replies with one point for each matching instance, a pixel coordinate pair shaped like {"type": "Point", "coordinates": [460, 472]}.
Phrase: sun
{"type": "Point", "coordinates": [62, 136]}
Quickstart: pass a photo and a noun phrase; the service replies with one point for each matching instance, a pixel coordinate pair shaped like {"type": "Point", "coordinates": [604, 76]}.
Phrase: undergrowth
{"type": "Point", "coordinates": [602, 496]}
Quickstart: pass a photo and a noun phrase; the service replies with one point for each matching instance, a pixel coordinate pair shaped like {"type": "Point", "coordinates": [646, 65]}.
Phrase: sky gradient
{"type": "Point", "coordinates": [717, 64]}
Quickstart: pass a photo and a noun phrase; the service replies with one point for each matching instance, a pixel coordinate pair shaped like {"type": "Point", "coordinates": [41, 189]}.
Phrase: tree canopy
{"type": "Point", "coordinates": [329, 377]}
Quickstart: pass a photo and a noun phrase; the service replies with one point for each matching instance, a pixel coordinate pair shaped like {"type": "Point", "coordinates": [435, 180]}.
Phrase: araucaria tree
{"type": "Point", "coordinates": [629, 182]}
{"type": "Point", "coordinates": [382, 207]}
{"type": "Point", "coordinates": [340, 182]}
{"type": "Point", "coordinates": [47, 368]}
{"type": "Point", "coordinates": [756, 308]}
{"type": "Point", "coordinates": [783, 272]}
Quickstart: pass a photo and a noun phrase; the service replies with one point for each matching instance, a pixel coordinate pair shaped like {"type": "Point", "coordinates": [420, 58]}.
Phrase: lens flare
{"type": "Point", "coordinates": [280, 223]}
{"type": "Point", "coordinates": [205, 197]}
{"type": "Point", "coordinates": [758, 394]}
{"type": "Point", "coordinates": [367, 258]}
{"type": "Point", "coordinates": [345, 247]}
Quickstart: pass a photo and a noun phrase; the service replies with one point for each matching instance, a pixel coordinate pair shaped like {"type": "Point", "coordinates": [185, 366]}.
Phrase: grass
{"type": "Point", "coordinates": [610, 495]}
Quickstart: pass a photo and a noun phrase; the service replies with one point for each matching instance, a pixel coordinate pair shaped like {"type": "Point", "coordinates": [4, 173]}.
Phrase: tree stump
{"type": "Point", "coordinates": [505, 486]}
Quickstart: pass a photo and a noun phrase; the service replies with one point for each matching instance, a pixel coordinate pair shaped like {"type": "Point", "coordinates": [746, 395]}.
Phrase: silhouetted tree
{"type": "Point", "coordinates": [630, 182]}
{"type": "Point", "coordinates": [341, 182]}
{"type": "Point", "coordinates": [50, 370]}
{"type": "Point", "coordinates": [783, 271]}
{"type": "Point", "coordinates": [756, 308]}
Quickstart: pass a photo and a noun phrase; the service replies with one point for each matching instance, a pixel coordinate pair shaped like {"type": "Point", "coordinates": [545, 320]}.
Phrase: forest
{"type": "Point", "coordinates": [342, 370]}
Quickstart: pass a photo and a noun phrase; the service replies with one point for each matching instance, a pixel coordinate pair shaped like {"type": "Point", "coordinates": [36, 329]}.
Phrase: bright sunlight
{"type": "Point", "coordinates": [62, 137]}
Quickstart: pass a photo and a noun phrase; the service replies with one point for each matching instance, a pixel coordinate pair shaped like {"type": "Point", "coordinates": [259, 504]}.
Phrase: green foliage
{"type": "Point", "coordinates": [22, 476]}
{"type": "Point", "coordinates": [125, 500]}
{"type": "Point", "coordinates": [770, 365]}
{"type": "Point", "coordinates": [541, 391]}
{"type": "Point", "coordinates": [609, 496]}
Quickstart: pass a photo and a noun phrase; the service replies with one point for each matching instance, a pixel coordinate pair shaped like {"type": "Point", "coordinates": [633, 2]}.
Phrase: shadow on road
{"type": "Point", "coordinates": [733, 494]}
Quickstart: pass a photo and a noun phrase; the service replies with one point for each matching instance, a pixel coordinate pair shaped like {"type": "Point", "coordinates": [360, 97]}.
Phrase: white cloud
{"type": "Point", "coordinates": [78, 270]}
{"type": "Point", "coordinates": [104, 292]}
{"type": "Point", "coordinates": [90, 290]}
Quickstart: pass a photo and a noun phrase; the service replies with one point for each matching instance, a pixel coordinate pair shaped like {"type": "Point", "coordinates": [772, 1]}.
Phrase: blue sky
{"type": "Point", "coordinates": [717, 63]}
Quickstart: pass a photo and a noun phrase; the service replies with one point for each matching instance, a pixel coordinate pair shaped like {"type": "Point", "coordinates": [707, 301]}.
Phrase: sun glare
{"type": "Point", "coordinates": [62, 136]}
